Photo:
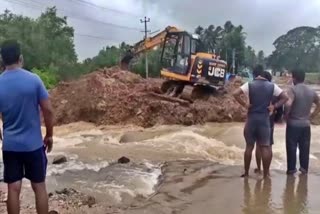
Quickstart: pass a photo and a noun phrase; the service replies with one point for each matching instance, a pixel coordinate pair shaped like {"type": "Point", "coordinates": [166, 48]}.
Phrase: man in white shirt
{"type": "Point", "coordinates": [257, 129]}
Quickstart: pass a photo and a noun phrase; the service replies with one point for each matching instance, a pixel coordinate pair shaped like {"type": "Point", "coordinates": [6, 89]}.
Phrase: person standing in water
{"type": "Point", "coordinates": [276, 116]}
{"type": "Point", "coordinates": [257, 128]}
{"type": "Point", "coordinates": [298, 116]}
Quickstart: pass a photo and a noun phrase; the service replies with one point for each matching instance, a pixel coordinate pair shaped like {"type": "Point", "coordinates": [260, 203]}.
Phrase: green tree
{"type": "Point", "coordinates": [47, 42]}
{"type": "Point", "coordinates": [223, 40]}
{"type": "Point", "coordinates": [212, 38]}
{"type": "Point", "coordinates": [154, 64]}
{"type": "Point", "coordinates": [48, 77]}
{"type": "Point", "coordinates": [233, 39]}
{"type": "Point", "coordinates": [299, 48]}
{"type": "Point", "coordinates": [18, 28]}
{"type": "Point", "coordinates": [54, 39]}
{"type": "Point", "coordinates": [261, 58]}
{"type": "Point", "coordinates": [250, 57]}
{"type": "Point", "coordinates": [107, 57]}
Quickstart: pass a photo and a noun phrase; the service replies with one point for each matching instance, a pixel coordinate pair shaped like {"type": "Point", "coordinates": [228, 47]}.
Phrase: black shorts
{"type": "Point", "coordinates": [30, 165]}
{"type": "Point", "coordinates": [257, 130]}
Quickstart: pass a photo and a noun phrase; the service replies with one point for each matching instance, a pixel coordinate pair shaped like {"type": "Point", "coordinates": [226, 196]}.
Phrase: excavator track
{"type": "Point", "coordinates": [172, 88]}
{"type": "Point", "coordinates": [202, 92]}
{"type": "Point", "coordinates": [179, 89]}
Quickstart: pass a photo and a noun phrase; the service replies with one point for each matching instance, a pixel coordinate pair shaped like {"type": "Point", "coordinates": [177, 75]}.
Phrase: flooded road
{"type": "Point", "coordinates": [185, 169]}
{"type": "Point", "coordinates": [92, 153]}
{"type": "Point", "coordinates": [221, 143]}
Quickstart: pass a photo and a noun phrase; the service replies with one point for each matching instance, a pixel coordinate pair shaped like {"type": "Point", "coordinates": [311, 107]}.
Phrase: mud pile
{"type": "Point", "coordinates": [113, 96]}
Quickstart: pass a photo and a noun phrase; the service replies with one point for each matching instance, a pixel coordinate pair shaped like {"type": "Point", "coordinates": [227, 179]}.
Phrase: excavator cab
{"type": "Point", "coordinates": [176, 52]}
{"type": "Point", "coordinates": [183, 65]}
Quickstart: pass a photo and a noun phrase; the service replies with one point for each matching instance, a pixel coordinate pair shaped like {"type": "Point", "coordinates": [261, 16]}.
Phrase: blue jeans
{"type": "Point", "coordinates": [297, 136]}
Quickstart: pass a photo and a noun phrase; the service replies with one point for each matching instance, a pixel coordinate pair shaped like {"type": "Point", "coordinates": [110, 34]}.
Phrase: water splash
{"type": "Point", "coordinates": [190, 142]}
{"type": "Point", "coordinates": [115, 181]}
{"type": "Point", "coordinates": [74, 165]}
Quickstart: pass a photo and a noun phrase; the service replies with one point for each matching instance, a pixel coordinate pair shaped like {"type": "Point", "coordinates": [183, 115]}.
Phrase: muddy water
{"type": "Point", "coordinates": [176, 167]}
{"type": "Point", "coordinates": [92, 152]}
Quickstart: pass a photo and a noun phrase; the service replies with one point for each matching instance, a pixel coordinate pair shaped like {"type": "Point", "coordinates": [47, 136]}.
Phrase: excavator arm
{"type": "Point", "coordinates": [146, 45]}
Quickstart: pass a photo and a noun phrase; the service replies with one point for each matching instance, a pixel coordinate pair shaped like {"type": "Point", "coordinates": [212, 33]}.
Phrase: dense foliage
{"type": "Point", "coordinates": [48, 77]}
{"type": "Point", "coordinates": [228, 39]}
{"type": "Point", "coordinates": [47, 42]}
{"type": "Point", "coordinates": [299, 48]}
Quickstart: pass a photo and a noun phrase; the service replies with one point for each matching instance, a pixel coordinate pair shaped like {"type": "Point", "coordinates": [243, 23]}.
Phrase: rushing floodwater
{"type": "Point", "coordinates": [94, 152]}
{"type": "Point", "coordinates": [91, 155]}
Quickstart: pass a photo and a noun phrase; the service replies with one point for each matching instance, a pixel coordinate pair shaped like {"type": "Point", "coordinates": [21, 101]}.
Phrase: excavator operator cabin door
{"type": "Point", "coordinates": [176, 52]}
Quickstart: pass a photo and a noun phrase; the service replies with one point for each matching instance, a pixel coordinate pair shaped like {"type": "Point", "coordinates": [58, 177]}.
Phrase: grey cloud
{"type": "Point", "coordinates": [263, 20]}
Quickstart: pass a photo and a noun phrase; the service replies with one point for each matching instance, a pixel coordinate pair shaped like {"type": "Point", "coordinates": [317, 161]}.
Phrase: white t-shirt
{"type": "Point", "coordinates": [276, 91]}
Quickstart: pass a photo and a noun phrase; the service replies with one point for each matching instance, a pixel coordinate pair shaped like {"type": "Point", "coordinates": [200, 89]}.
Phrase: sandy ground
{"type": "Point", "coordinates": [204, 187]}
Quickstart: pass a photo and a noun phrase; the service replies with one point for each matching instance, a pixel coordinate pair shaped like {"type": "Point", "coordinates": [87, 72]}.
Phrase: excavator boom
{"type": "Point", "coordinates": [146, 45]}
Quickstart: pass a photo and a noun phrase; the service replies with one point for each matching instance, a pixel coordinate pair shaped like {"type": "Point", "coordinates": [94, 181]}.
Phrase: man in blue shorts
{"type": "Point", "coordinates": [257, 129]}
{"type": "Point", "coordinates": [21, 95]}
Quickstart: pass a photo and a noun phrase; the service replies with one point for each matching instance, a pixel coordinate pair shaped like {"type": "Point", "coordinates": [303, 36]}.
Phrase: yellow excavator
{"type": "Point", "coordinates": [182, 63]}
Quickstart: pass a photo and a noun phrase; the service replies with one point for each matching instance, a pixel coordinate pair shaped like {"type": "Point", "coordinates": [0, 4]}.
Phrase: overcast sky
{"type": "Point", "coordinates": [118, 20]}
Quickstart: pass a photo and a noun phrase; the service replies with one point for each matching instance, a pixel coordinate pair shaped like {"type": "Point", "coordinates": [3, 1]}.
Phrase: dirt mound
{"type": "Point", "coordinates": [114, 96]}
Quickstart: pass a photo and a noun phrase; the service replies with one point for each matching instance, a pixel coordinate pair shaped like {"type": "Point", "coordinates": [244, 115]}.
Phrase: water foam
{"type": "Point", "coordinates": [74, 165]}
{"type": "Point", "coordinates": [133, 182]}
{"type": "Point", "coordinates": [115, 181]}
{"type": "Point", "coordinates": [190, 142]}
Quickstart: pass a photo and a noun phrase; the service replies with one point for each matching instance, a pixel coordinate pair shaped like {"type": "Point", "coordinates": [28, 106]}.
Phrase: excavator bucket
{"type": "Point", "coordinates": [124, 63]}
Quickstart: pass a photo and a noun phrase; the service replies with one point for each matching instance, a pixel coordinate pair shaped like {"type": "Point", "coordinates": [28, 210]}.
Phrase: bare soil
{"type": "Point", "coordinates": [114, 96]}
